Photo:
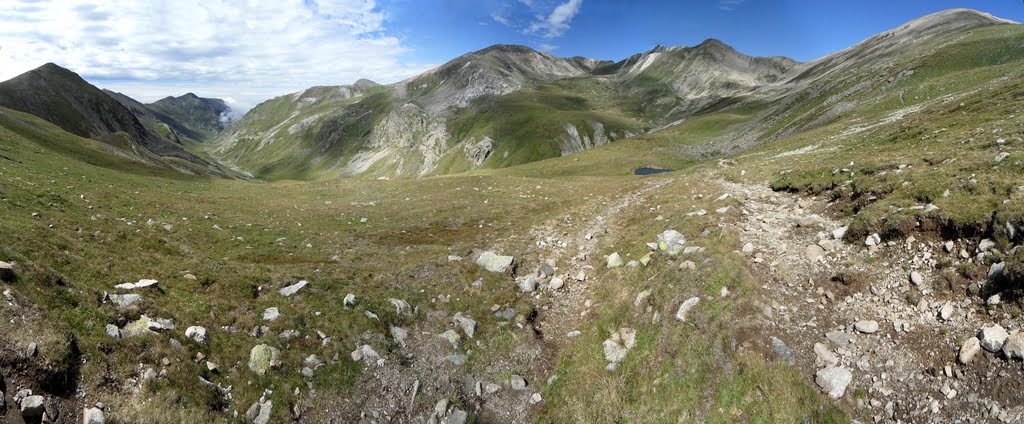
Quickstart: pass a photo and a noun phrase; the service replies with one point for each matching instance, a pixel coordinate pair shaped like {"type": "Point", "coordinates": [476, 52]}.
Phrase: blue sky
{"type": "Point", "coordinates": [613, 30]}
{"type": "Point", "coordinates": [248, 51]}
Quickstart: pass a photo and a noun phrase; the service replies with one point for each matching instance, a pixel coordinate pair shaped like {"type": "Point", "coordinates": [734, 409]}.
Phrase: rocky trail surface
{"type": "Point", "coordinates": [872, 323]}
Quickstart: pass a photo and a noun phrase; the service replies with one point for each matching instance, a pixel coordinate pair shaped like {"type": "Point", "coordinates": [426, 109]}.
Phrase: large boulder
{"type": "Point", "coordinates": [262, 358]}
{"type": "Point", "coordinates": [494, 262]}
{"type": "Point", "coordinates": [993, 337]}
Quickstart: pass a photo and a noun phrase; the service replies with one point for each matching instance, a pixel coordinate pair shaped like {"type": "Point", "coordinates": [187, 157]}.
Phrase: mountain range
{"type": "Point", "coordinates": [499, 107]}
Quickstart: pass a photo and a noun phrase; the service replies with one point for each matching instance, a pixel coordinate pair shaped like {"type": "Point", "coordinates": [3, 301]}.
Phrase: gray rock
{"type": "Point", "coordinates": [825, 354]}
{"type": "Point", "coordinates": [458, 416]}
{"type": "Point", "coordinates": [452, 337]}
{"type": "Point", "coordinates": [263, 416]}
{"type": "Point", "coordinates": [615, 260]}
{"type": "Point", "coordinates": [124, 300]}
{"type": "Point", "coordinates": [833, 380]}
{"type": "Point", "coordinates": [866, 326]}
{"type": "Point", "coordinates": [292, 289]}
{"type": "Point", "coordinates": [399, 334]}
{"type": "Point", "coordinates": [916, 278]}
{"type": "Point", "coordinates": [1001, 156]}
{"type": "Point", "coordinates": [949, 246]}
{"type": "Point", "coordinates": [545, 270]}
{"type": "Point", "coordinates": [686, 307]}
{"type": "Point", "coordinates": [494, 262]}
{"type": "Point", "coordinates": [840, 338]}
{"type": "Point", "coordinates": [492, 388]}
{"type": "Point", "coordinates": [517, 383]}
{"type": "Point", "coordinates": [526, 284]}
{"type": "Point", "coordinates": [262, 358]}
{"type": "Point", "coordinates": [748, 248]}
{"type": "Point", "coordinates": [93, 416]}
{"type": "Point", "coordinates": [401, 306]}
{"type": "Point", "coordinates": [113, 331]}
{"type": "Point", "coordinates": [350, 300]}
{"type": "Point", "coordinates": [271, 314]}
{"type": "Point", "coordinates": [1013, 348]}
{"type": "Point", "coordinates": [996, 270]}
{"type": "Point", "coordinates": [32, 408]}
{"type": "Point", "coordinates": [365, 352]}
{"type": "Point", "coordinates": [783, 352]}
{"type": "Point", "coordinates": [464, 322]}
{"type": "Point", "coordinates": [993, 337]}
{"type": "Point", "coordinates": [969, 350]}
{"type": "Point", "coordinates": [985, 245]}
{"type": "Point", "coordinates": [840, 232]}
{"type": "Point", "coordinates": [197, 334]}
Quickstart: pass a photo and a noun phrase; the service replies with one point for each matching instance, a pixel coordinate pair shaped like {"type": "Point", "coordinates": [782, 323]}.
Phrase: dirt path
{"type": "Point", "coordinates": [815, 289]}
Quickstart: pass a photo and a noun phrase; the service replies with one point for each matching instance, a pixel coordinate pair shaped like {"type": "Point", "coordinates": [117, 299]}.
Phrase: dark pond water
{"type": "Point", "coordinates": [649, 171]}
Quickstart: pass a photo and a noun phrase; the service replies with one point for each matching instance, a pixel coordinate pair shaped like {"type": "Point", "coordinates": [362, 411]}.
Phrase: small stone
{"type": "Point", "coordinates": [452, 337]}
{"type": "Point", "coordinates": [840, 232]}
{"type": "Point", "coordinates": [949, 246]}
{"type": "Point", "coordinates": [197, 334]}
{"type": "Point", "coordinates": [350, 300]}
{"type": "Point", "coordinates": [365, 352]}
{"type": "Point", "coordinates": [517, 383]}
{"type": "Point", "coordinates": [825, 354]}
{"type": "Point", "coordinates": [866, 326]}
{"type": "Point", "coordinates": [545, 270]}
{"type": "Point", "coordinates": [916, 278]}
{"type": "Point", "coordinates": [946, 312]}
{"type": "Point", "coordinates": [748, 248]}
{"type": "Point", "coordinates": [686, 307]}
{"type": "Point", "coordinates": [113, 331]}
{"type": "Point", "coordinates": [573, 333]}
{"type": "Point", "coordinates": [839, 337]}
{"type": "Point", "coordinates": [994, 300]}
{"type": "Point", "coordinates": [124, 300]}
{"type": "Point", "coordinates": [814, 252]}
{"type": "Point", "coordinates": [292, 289]}
{"type": "Point", "coordinates": [1001, 156]}
{"type": "Point", "coordinates": [491, 388]}
{"type": "Point", "coordinates": [536, 398]}
{"type": "Point", "coordinates": [32, 408]}
{"type": "Point", "coordinates": [783, 352]}
{"type": "Point", "coordinates": [271, 314]}
{"type": "Point", "coordinates": [615, 260]}
{"type": "Point", "coordinates": [93, 416]}
{"type": "Point", "coordinates": [985, 245]}
{"type": "Point", "coordinates": [556, 283]}
{"type": "Point", "coordinates": [494, 262]}
{"type": "Point", "coordinates": [833, 380]}
{"type": "Point", "coordinates": [968, 350]}
{"type": "Point", "coordinates": [464, 322]}
{"type": "Point", "coordinates": [141, 284]}
{"type": "Point", "coordinates": [526, 284]}
{"type": "Point", "coordinates": [993, 337]}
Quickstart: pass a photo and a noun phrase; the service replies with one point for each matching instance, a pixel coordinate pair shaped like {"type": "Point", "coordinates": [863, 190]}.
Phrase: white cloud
{"type": "Point", "coordinates": [729, 5]}
{"type": "Point", "coordinates": [547, 47]}
{"type": "Point", "coordinates": [556, 23]}
{"type": "Point", "coordinates": [501, 19]}
{"type": "Point", "coordinates": [247, 50]}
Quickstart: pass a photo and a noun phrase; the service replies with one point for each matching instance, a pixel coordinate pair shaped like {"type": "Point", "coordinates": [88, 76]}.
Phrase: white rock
{"type": "Point", "coordinates": [968, 350]}
{"type": "Point", "coordinates": [294, 288]}
{"type": "Point", "coordinates": [618, 345]}
{"type": "Point", "coordinates": [271, 314]}
{"type": "Point", "coordinates": [1014, 346]}
{"type": "Point", "coordinates": [748, 248]}
{"type": "Point", "coordinates": [197, 334]}
{"type": "Point", "coordinates": [495, 263]}
{"type": "Point", "coordinates": [615, 260]}
{"type": "Point", "coordinates": [556, 283]}
{"type": "Point", "coordinates": [946, 312]}
{"type": "Point", "coordinates": [993, 337]}
{"type": "Point", "coordinates": [833, 380]}
{"type": "Point", "coordinates": [467, 324]}
{"type": "Point", "coordinates": [867, 326]}
{"type": "Point", "coordinates": [686, 307]}
{"type": "Point", "coordinates": [840, 232]}
{"type": "Point", "coordinates": [916, 278]}
{"type": "Point", "coordinates": [93, 416]}
{"type": "Point", "coordinates": [142, 284]}
{"type": "Point", "coordinates": [350, 300]}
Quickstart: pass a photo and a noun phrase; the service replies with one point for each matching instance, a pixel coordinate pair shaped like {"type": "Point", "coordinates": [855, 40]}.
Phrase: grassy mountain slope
{"type": "Point", "coordinates": [65, 99]}
{"type": "Point", "coordinates": [498, 107]}
{"type": "Point", "coordinates": [197, 117]}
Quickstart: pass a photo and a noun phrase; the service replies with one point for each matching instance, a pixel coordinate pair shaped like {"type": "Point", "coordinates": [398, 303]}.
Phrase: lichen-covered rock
{"type": "Point", "coordinates": [262, 358]}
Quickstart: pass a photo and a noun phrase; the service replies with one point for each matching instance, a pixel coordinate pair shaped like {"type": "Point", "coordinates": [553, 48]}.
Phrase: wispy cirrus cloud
{"type": "Point", "coordinates": [556, 23]}
{"type": "Point", "coordinates": [730, 5]}
{"type": "Point", "coordinates": [220, 48]}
